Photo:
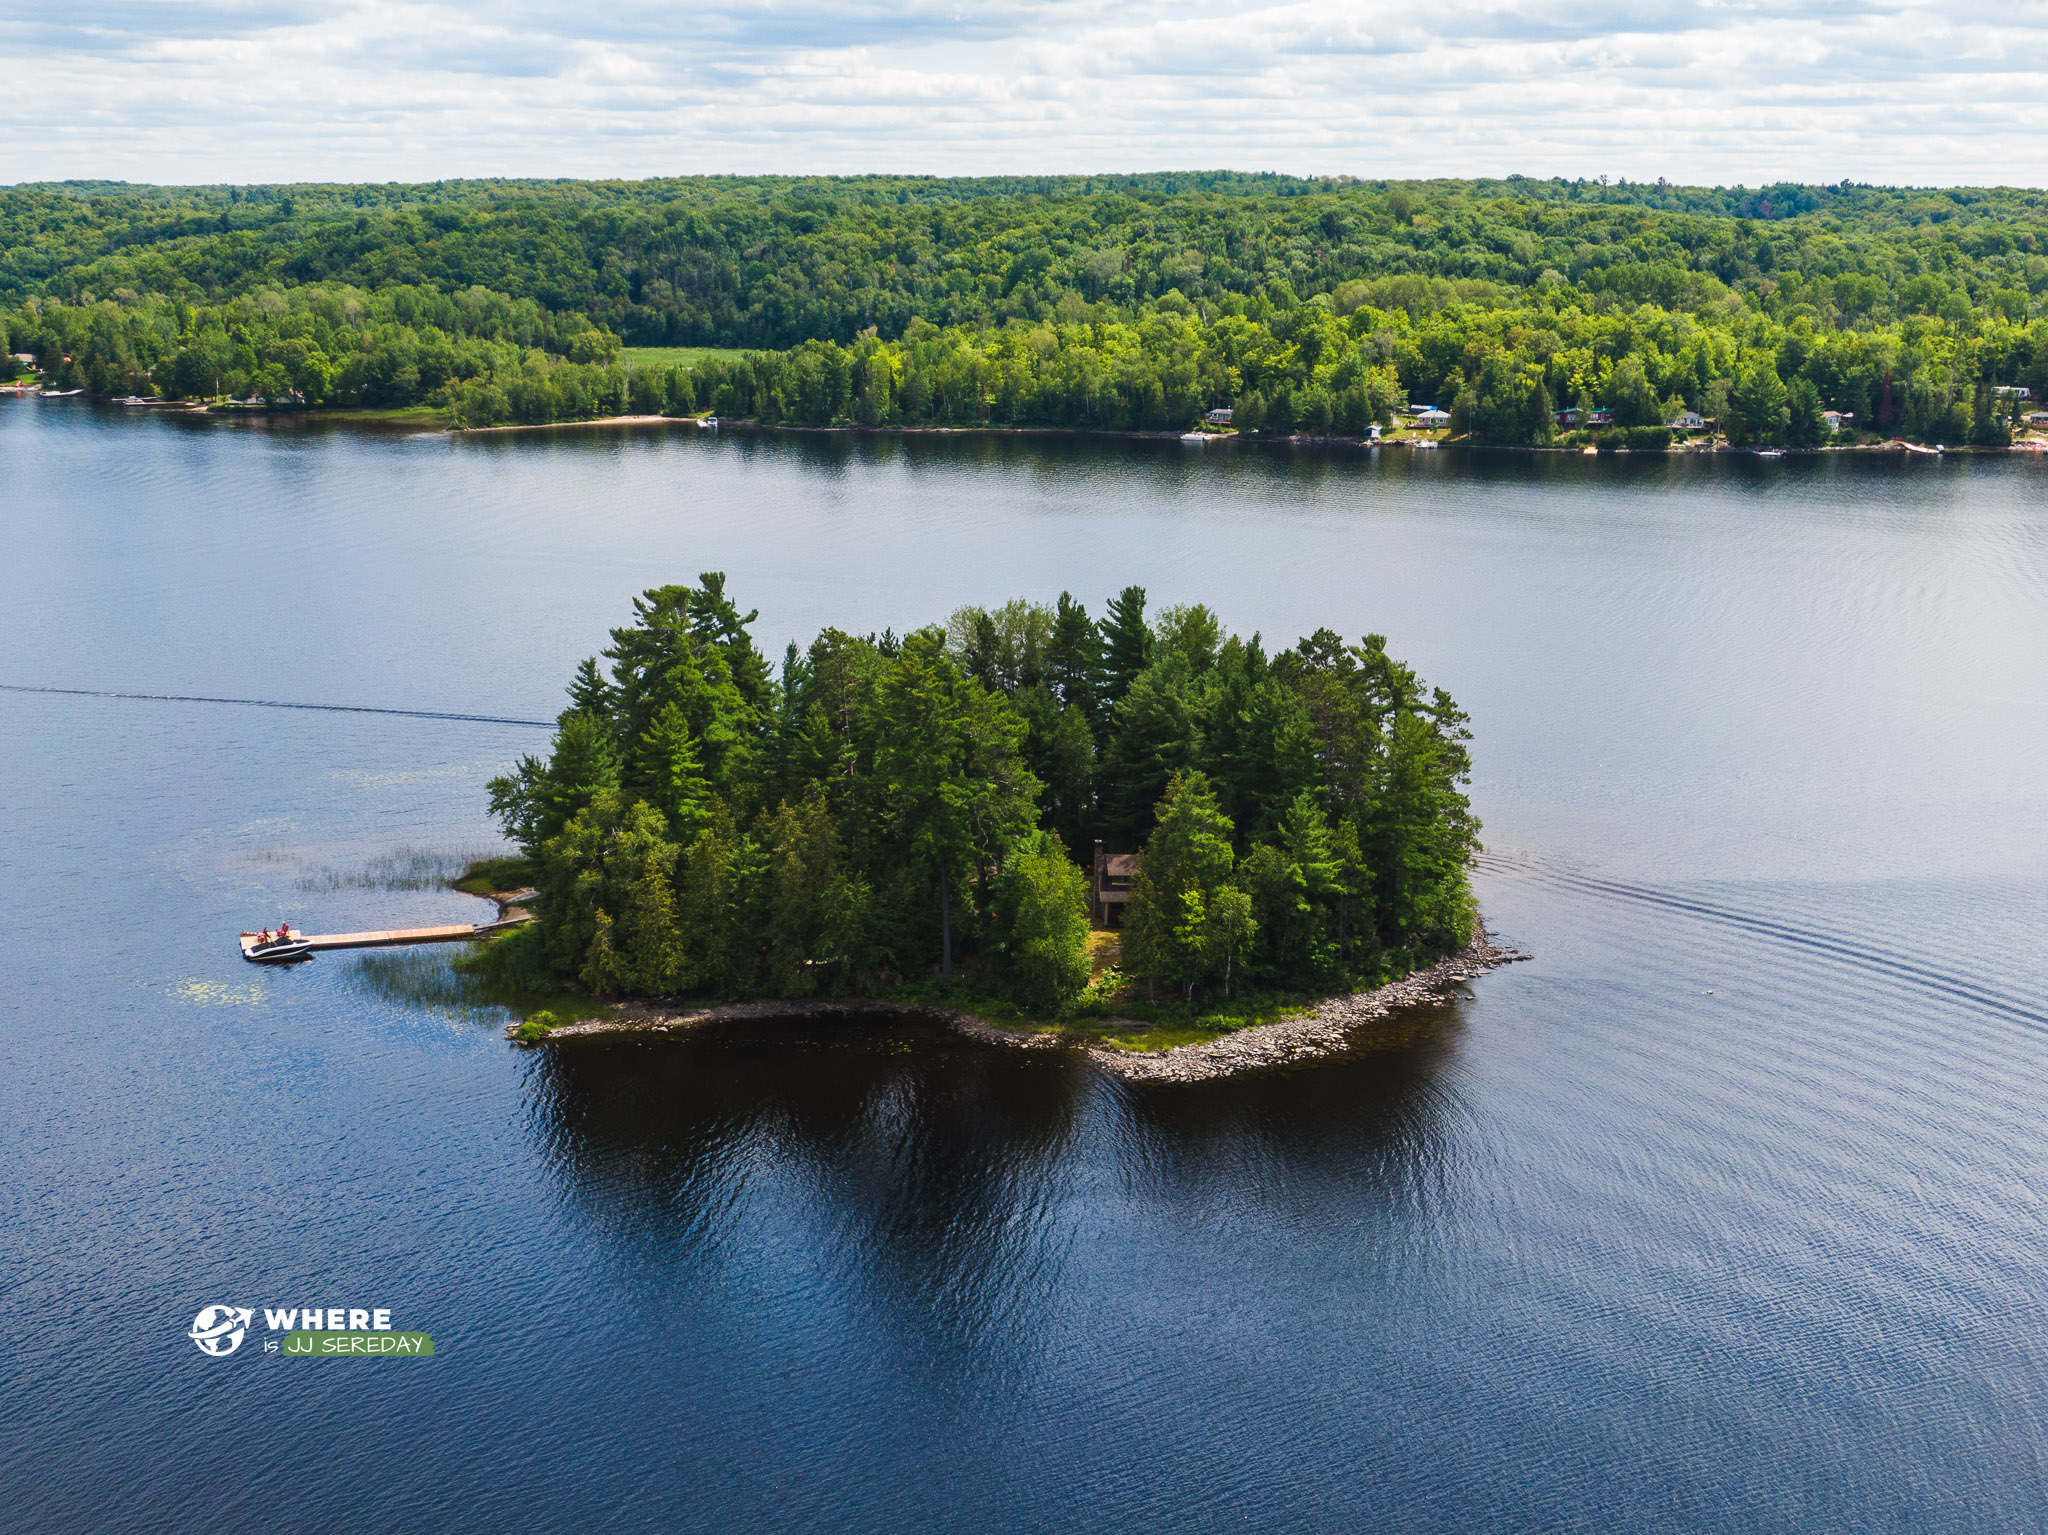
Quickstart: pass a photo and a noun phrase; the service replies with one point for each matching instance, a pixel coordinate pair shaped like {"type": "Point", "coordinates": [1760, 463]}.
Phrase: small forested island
{"type": "Point", "coordinates": [899, 817]}
{"type": "Point", "coordinates": [1531, 313]}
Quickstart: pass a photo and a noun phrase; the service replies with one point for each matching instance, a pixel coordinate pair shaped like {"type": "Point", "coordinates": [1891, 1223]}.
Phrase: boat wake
{"type": "Point", "coordinates": [1902, 968]}
{"type": "Point", "coordinates": [272, 703]}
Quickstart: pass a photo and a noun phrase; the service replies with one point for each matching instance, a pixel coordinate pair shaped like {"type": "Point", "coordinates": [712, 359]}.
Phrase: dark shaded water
{"type": "Point", "coordinates": [1726, 1213]}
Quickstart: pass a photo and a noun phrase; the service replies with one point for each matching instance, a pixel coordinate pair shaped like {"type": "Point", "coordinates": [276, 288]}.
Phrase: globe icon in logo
{"type": "Point", "coordinates": [218, 1330]}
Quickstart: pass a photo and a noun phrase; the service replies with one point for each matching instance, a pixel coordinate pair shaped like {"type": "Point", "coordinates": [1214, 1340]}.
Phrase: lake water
{"type": "Point", "coordinates": [1729, 1212]}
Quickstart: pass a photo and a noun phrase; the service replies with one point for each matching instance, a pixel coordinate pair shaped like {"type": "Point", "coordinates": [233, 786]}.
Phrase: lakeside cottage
{"type": "Point", "coordinates": [2013, 391]}
{"type": "Point", "coordinates": [2036, 418]}
{"type": "Point", "coordinates": [1111, 880]}
{"type": "Point", "coordinates": [1839, 420]}
{"type": "Point", "coordinates": [1687, 421]}
{"type": "Point", "coordinates": [1432, 418]}
{"type": "Point", "coordinates": [1218, 417]}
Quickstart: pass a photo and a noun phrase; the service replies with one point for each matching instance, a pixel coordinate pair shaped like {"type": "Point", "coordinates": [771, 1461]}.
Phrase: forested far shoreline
{"type": "Point", "coordinates": [1103, 303]}
{"type": "Point", "coordinates": [884, 812]}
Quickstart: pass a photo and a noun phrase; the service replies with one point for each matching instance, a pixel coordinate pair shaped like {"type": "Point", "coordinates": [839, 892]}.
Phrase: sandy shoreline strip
{"type": "Point", "coordinates": [555, 426]}
{"type": "Point", "coordinates": [1324, 1029]}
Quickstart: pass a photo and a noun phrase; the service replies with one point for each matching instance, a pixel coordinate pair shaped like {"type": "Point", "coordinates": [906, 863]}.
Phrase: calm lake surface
{"type": "Point", "coordinates": [1727, 1213]}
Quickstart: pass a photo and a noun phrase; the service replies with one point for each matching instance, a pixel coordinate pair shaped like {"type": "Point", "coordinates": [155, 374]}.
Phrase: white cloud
{"type": "Point", "coordinates": [1696, 90]}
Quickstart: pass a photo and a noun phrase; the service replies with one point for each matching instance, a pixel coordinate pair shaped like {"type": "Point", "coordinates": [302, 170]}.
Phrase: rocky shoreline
{"type": "Point", "coordinates": [1323, 1030]}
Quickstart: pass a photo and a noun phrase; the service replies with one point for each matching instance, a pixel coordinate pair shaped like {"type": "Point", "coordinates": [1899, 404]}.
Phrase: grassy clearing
{"type": "Point", "coordinates": [1125, 1023]}
{"type": "Point", "coordinates": [1112, 1013]}
{"type": "Point", "coordinates": [677, 356]}
{"type": "Point", "coordinates": [488, 876]}
{"type": "Point", "coordinates": [401, 415]}
{"type": "Point", "coordinates": [1157, 1039]}
{"type": "Point", "coordinates": [426, 416]}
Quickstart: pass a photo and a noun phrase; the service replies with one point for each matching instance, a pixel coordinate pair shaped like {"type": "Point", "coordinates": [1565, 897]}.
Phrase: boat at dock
{"type": "Point", "coordinates": [304, 945]}
{"type": "Point", "coordinates": [279, 951]}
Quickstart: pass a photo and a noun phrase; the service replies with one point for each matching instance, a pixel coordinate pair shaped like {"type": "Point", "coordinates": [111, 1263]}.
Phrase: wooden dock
{"type": "Point", "coordinates": [395, 937]}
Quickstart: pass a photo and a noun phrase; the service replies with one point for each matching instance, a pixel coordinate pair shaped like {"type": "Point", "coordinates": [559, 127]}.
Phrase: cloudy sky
{"type": "Point", "coordinates": [1695, 90]}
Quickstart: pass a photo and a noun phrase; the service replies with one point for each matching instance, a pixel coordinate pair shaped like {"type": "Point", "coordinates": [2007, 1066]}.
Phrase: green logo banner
{"type": "Point", "coordinates": [357, 1345]}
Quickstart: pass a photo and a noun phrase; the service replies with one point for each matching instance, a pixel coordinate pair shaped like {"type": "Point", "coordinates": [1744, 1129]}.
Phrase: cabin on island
{"type": "Point", "coordinates": [1432, 417]}
{"type": "Point", "coordinates": [1687, 421]}
{"type": "Point", "coordinates": [1111, 885]}
{"type": "Point", "coordinates": [1218, 417]}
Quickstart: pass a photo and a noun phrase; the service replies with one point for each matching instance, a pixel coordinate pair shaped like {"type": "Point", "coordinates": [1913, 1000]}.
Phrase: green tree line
{"type": "Point", "coordinates": [1107, 302]}
{"type": "Point", "coordinates": [879, 809]}
{"type": "Point", "coordinates": [768, 262]}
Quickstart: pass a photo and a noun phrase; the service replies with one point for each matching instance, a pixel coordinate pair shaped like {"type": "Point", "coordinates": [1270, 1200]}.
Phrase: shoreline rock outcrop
{"type": "Point", "coordinates": [1322, 1030]}
{"type": "Point", "coordinates": [1325, 1029]}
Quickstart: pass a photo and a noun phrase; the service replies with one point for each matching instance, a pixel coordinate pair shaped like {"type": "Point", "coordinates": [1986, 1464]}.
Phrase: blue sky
{"type": "Point", "coordinates": [1693, 90]}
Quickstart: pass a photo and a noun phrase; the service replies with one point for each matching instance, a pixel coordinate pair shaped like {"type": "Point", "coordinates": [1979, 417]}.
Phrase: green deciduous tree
{"type": "Point", "coordinates": [1041, 915]}
{"type": "Point", "coordinates": [1215, 927]}
{"type": "Point", "coordinates": [1188, 854]}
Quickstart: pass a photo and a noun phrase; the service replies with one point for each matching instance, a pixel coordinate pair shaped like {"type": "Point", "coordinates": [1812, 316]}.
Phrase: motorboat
{"type": "Point", "coordinates": [279, 951]}
{"type": "Point", "coordinates": [1196, 438]}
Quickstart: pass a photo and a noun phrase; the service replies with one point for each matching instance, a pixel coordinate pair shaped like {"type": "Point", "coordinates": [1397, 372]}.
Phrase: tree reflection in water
{"type": "Point", "coordinates": [954, 1193]}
